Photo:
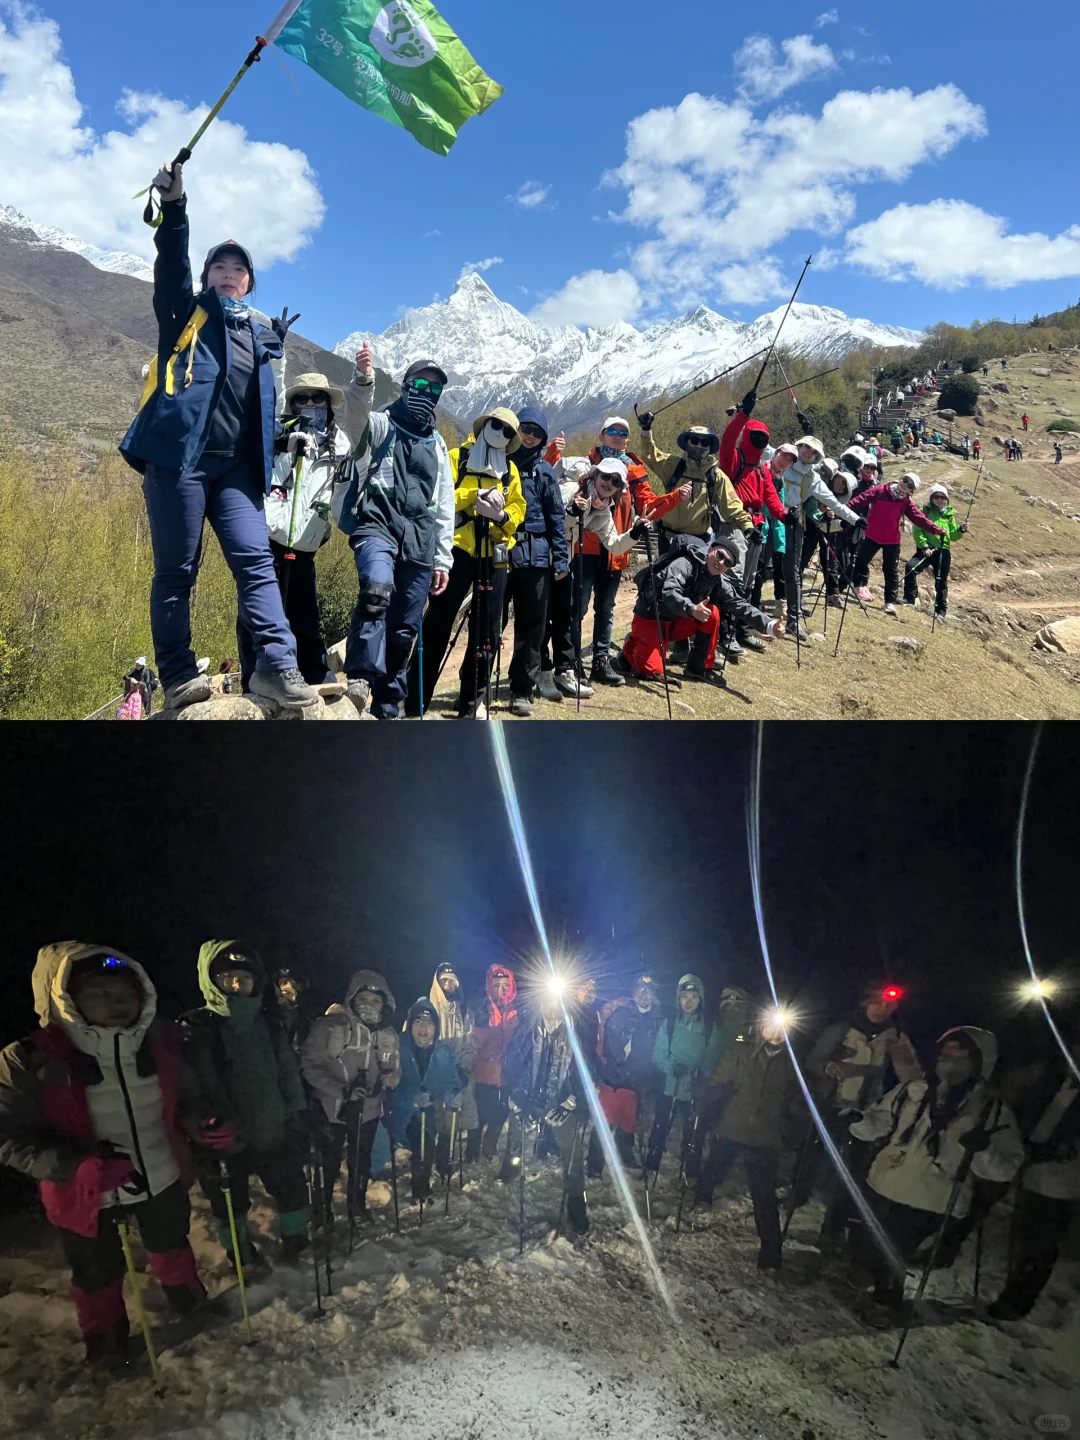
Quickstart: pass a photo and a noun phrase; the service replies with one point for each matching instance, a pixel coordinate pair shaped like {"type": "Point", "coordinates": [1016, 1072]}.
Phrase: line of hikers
{"type": "Point", "coordinates": [115, 1111]}
{"type": "Point", "coordinates": [503, 521]}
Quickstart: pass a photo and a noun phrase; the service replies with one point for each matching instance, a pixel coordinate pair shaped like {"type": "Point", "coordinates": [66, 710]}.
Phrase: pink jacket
{"type": "Point", "coordinates": [886, 512]}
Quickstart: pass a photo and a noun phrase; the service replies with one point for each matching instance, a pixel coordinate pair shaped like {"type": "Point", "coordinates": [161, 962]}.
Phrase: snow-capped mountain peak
{"type": "Point", "coordinates": [117, 262]}
{"type": "Point", "coordinates": [493, 354]}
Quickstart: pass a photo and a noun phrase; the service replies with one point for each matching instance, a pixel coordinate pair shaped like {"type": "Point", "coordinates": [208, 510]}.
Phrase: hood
{"type": "Point", "coordinates": [370, 980]}
{"type": "Point", "coordinates": [747, 453]}
{"type": "Point", "coordinates": [215, 999]}
{"type": "Point", "coordinates": [985, 1041]}
{"type": "Point", "coordinates": [451, 1012]}
{"type": "Point", "coordinates": [423, 1006]}
{"type": "Point", "coordinates": [55, 1006]}
{"type": "Point", "coordinates": [848, 481]}
{"type": "Point", "coordinates": [684, 981]}
{"type": "Point", "coordinates": [531, 416]}
{"type": "Point", "coordinates": [493, 972]}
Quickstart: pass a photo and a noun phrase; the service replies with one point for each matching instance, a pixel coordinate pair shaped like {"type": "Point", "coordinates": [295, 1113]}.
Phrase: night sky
{"type": "Point", "coordinates": [887, 852]}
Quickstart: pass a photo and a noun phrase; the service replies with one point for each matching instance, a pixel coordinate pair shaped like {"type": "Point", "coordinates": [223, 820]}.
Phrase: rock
{"type": "Point", "coordinates": [905, 642]}
{"type": "Point", "coordinates": [998, 440]}
{"type": "Point", "coordinates": [682, 703]}
{"type": "Point", "coordinates": [818, 636]}
{"type": "Point", "coordinates": [1060, 638]}
{"type": "Point", "coordinates": [255, 707]}
{"type": "Point", "coordinates": [1000, 386]}
{"type": "Point", "coordinates": [947, 414]}
{"type": "Point", "coordinates": [337, 656]}
{"type": "Point", "coordinates": [1044, 373]}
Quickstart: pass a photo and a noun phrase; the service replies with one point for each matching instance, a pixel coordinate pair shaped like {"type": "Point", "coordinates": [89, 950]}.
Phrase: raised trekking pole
{"type": "Point", "coordinates": [806, 381]}
{"type": "Point", "coordinates": [140, 1308]}
{"type": "Point", "coordinates": [226, 1187]}
{"type": "Point", "coordinates": [450, 1159]}
{"type": "Point", "coordinates": [780, 327]}
{"type": "Point", "coordinates": [521, 1191]}
{"type": "Point", "coordinates": [962, 1172]}
{"type": "Point", "coordinates": [711, 381]}
{"type": "Point", "coordinates": [578, 607]}
{"type": "Point", "coordinates": [661, 644]}
{"type": "Point", "coordinates": [974, 492]}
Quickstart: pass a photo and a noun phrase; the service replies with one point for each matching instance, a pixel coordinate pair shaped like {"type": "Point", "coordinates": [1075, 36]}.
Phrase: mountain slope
{"type": "Point", "coordinates": [492, 352]}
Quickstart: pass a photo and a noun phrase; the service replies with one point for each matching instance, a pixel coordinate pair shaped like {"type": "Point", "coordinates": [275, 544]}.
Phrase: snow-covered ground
{"type": "Point", "coordinates": [444, 1333]}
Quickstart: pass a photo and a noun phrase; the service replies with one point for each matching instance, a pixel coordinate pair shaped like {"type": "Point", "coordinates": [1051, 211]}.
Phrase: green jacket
{"type": "Point", "coordinates": [686, 1046]}
{"type": "Point", "coordinates": [759, 1093]}
{"type": "Point", "coordinates": [243, 1060]}
{"type": "Point", "coordinates": [948, 522]}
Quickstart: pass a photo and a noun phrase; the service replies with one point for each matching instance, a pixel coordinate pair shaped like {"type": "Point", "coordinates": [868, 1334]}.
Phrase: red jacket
{"type": "Point", "coordinates": [753, 481]}
{"type": "Point", "coordinates": [886, 512]}
{"type": "Point", "coordinates": [639, 499]}
{"type": "Point", "coordinates": [66, 1111]}
{"type": "Point", "coordinates": [493, 1038]}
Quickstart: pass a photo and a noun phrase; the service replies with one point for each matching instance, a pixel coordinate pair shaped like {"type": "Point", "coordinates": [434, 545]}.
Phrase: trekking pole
{"type": "Point", "coordinates": [140, 1308]}
{"type": "Point", "coordinates": [420, 663]}
{"type": "Point", "coordinates": [682, 1164]}
{"type": "Point", "coordinates": [466, 615]}
{"type": "Point", "coordinates": [962, 1172]}
{"type": "Point", "coordinates": [711, 381]}
{"type": "Point", "coordinates": [354, 1161]}
{"type": "Point", "coordinates": [226, 1187]}
{"type": "Point", "coordinates": [971, 502]}
{"type": "Point", "coordinates": [461, 1160]}
{"type": "Point", "coordinates": [780, 327]}
{"type": "Point", "coordinates": [580, 1127]}
{"type": "Point", "coordinates": [313, 1210]}
{"type": "Point", "coordinates": [802, 1169]}
{"type": "Point", "coordinates": [578, 607]}
{"type": "Point", "coordinates": [661, 643]}
{"type": "Point", "coordinates": [978, 1255]}
{"type": "Point", "coordinates": [450, 1159]}
{"type": "Point", "coordinates": [521, 1191]}
{"type": "Point", "coordinates": [819, 376]}
{"type": "Point", "coordinates": [423, 1152]}
{"type": "Point", "coordinates": [393, 1180]}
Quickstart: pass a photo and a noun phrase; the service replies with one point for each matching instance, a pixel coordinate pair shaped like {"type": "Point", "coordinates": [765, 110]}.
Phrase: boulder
{"type": "Point", "coordinates": [1044, 373]}
{"type": "Point", "coordinates": [255, 707]}
{"type": "Point", "coordinates": [905, 642]}
{"type": "Point", "coordinates": [1000, 386]}
{"type": "Point", "coordinates": [1060, 638]}
{"type": "Point", "coordinates": [337, 656]}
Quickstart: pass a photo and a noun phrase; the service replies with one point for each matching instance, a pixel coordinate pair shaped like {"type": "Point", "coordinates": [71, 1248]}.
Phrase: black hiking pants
{"type": "Point", "coordinates": [762, 1165]}
{"type": "Point", "coordinates": [484, 631]}
{"type": "Point", "coordinates": [558, 651]}
{"type": "Point", "coordinates": [939, 565]}
{"type": "Point", "coordinates": [890, 563]}
{"type": "Point", "coordinates": [491, 1111]}
{"type": "Point", "coordinates": [355, 1141]}
{"type": "Point", "coordinates": [671, 1112]}
{"type": "Point", "coordinates": [1040, 1225]}
{"type": "Point", "coordinates": [281, 1170]}
{"type": "Point", "coordinates": [528, 588]}
{"type": "Point", "coordinates": [907, 1228]}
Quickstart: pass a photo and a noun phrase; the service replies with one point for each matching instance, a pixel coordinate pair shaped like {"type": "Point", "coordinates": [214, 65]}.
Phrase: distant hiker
{"type": "Point", "coordinates": [539, 562]}
{"type": "Point", "coordinates": [885, 506]}
{"type": "Point", "coordinates": [131, 708]}
{"type": "Point", "coordinates": [935, 558]}
{"type": "Point", "coordinates": [1018, 450]}
{"type": "Point", "coordinates": [965, 447]}
{"type": "Point", "coordinates": [226, 677]}
{"type": "Point", "coordinates": [308, 452]}
{"type": "Point", "coordinates": [1004, 364]}
{"type": "Point", "coordinates": [1057, 452]}
{"type": "Point", "coordinates": [398, 512]}
{"type": "Point", "coordinates": [146, 681]}
{"type": "Point", "coordinates": [489, 507]}
{"type": "Point", "coordinates": [976, 448]}
{"type": "Point", "coordinates": [986, 369]}
{"type": "Point", "coordinates": [1025, 420]}
{"type": "Point", "coordinates": [204, 440]}
{"type": "Point", "coordinates": [692, 592]}
{"type": "Point", "coordinates": [897, 438]}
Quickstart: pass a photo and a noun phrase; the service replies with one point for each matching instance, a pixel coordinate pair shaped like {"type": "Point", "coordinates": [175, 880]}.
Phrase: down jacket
{"type": "Point", "coordinates": [685, 1045]}
{"type": "Point", "coordinates": [71, 1087]}
{"type": "Point", "coordinates": [866, 1054]}
{"type": "Point", "coordinates": [432, 1076]}
{"type": "Point", "coordinates": [495, 1028]}
{"type": "Point", "coordinates": [343, 1059]}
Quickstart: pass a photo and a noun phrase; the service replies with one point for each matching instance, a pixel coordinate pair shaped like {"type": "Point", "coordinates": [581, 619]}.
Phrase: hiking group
{"type": "Point", "coordinates": [116, 1111]}
{"type": "Point", "coordinates": [447, 536]}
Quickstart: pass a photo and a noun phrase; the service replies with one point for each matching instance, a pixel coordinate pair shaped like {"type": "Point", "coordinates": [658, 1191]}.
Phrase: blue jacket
{"type": "Point", "coordinates": [441, 1081]}
{"type": "Point", "coordinates": [540, 540]}
{"type": "Point", "coordinates": [192, 363]}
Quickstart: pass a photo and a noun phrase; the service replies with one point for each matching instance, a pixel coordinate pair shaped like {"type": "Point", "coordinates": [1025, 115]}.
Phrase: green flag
{"type": "Point", "coordinates": [400, 60]}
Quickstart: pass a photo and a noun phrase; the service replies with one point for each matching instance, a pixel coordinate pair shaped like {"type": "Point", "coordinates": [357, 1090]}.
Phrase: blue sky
{"type": "Point", "coordinates": [671, 156]}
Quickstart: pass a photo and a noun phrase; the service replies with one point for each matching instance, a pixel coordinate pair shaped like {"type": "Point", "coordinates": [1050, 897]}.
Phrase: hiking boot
{"type": "Point", "coordinates": [941, 614]}
{"type": "Point", "coordinates": [359, 692]}
{"type": "Point", "coordinates": [577, 1213]}
{"type": "Point", "coordinates": [680, 652]}
{"type": "Point", "coordinates": [188, 692]}
{"type": "Point", "coordinates": [806, 611]}
{"type": "Point", "coordinates": [623, 667]}
{"type": "Point", "coordinates": [473, 710]}
{"type": "Point", "coordinates": [571, 685]}
{"type": "Point", "coordinates": [890, 608]}
{"type": "Point", "coordinates": [547, 688]}
{"type": "Point", "coordinates": [793, 625]}
{"type": "Point", "coordinates": [753, 642]}
{"type": "Point", "coordinates": [287, 687]}
{"type": "Point", "coordinates": [293, 1246]}
{"type": "Point", "coordinates": [734, 651]}
{"type": "Point", "coordinates": [521, 706]}
{"type": "Point", "coordinates": [864, 593]}
{"type": "Point", "coordinates": [695, 670]}
{"type": "Point", "coordinates": [604, 673]}
{"type": "Point", "coordinates": [108, 1349]}
{"type": "Point", "coordinates": [834, 602]}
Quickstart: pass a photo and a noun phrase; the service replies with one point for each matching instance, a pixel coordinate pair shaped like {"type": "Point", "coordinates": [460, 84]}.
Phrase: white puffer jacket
{"type": "Point", "coordinates": [126, 1107]}
{"type": "Point", "coordinates": [313, 518]}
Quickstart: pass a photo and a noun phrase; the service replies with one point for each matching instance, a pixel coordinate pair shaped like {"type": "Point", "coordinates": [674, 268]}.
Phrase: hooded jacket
{"type": "Point", "coordinates": [71, 1086]}
{"type": "Point", "coordinates": [637, 500]}
{"type": "Point", "coordinates": [432, 1072]}
{"type": "Point", "coordinates": [684, 581]}
{"type": "Point", "coordinates": [466, 488]}
{"type": "Point", "coordinates": [711, 488]}
{"type": "Point", "coordinates": [628, 1038]}
{"type": "Point", "coordinates": [758, 1091]}
{"type": "Point", "coordinates": [495, 1029]}
{"type": "Point", "coordinates": [863, 1050]}
{"type": "Point", "coordinates": [946, 521]}
{"type": "Point", "coordinates": [540, 1070]}
{"type": "Point", "coordinates": [919, 1157]}
{"type": "Point", "coordinates": [885, 511]}
{"type": "Point", "coordinates": [242, 1058]}
{"type": "Point", "coordinates": [824, 519]}
{"type": "Point", "coordinates": [313, 505]}
{"type": "Point", "coordinates": [540, 541]}
{"type": "Point", "coordinates": [1046, 1100]}
{"type": "Point", "coordinates": [345, 1059]}
{"type": "Point", "coordinates": [750, 474]}
{"type": "Point", "coordinates": [685, 1044]}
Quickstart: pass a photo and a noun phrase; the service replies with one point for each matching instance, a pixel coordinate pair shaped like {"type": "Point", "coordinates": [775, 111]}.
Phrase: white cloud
{"type": "Point", "coordinates": [827, 17]}
{"type": "Point", "coordinates": [474, 267]}
{"type": "Point", "coordinates": [950, 243]}
{"type": "Point", "coordinates": [431, 235]}
{"type": "Point", "coordinates": [598, 298]}
{"type": "Point", "coordinates": [764, 76]}
{"type": "Point", "coordinates": [531, 196]}
{"type": "Point", "coordinates": [60, 172]}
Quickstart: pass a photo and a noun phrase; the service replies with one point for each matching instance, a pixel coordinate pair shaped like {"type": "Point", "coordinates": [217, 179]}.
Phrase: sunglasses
{"type": "Point", "coordinates": [532, 430]}
{"type": "Point", "coordinates": [500, 428]}
{"type": "Point", "coordinates": [619, 434]}
{"type": "Point", "coordinates": [697, 441]}
{"type": "Point", "coordinates": [311, 399]}
{"type": "Point", "coordinates": [432, 387]}
{"type": "Point", "coordinates": [723, 557]}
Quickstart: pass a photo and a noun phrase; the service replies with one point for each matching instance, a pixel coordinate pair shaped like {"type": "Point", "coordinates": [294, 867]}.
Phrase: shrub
{"type": "Point", "coordinates": [970, 363]}
{"type": "Point", "coordinates": [960, 393]}
{"type": "Point", "coordinates": [1065, 426]}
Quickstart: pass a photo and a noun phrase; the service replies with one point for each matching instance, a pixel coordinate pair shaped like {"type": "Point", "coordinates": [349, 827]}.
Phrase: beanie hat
{"type": "Point", "coordinates": [723, 542]}
{"type": "Point", "coordinates": [939, 490]}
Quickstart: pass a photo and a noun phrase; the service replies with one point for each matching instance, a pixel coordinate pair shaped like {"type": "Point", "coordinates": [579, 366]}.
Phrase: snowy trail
{"type": "Point", "coordinates": [444, 1333]}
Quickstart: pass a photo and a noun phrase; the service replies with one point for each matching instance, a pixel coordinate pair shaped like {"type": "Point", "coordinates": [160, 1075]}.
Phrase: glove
{"type": "Point", "coordinates": [561, 1113]}
{"type": "Point", "coordinates": [976, 1140]}
{"type": "Point", "coordinates": [961, 529]}
{"type": "Point", "coordinates": [423, 1099]}
{"type": "Point", "coordinates": [169, 182]}
{"type": "Point", "coordinates": [299, 439]}
{"type": "Point", "coordinates": [860, 523]}
{"type": "Point", "coordinates": [791, 515]}
{"type": "Point", "coordinates": [749, 400]}
{"type": "Point", "coordinates": [645, 419]}
{"type": "Point", "coordinates": [754, 535]}
{"type": "Point", "coordinates": [96, 1174]}
{"type": "Point", "coordinates": [218, 1135]}
{"type": "Point", "coordinates": [489, 506]}
{"type": "Point", "coordinates": [803, 421]}
{"type": "Point", "coordinates": [453, 1100]}
{"type": "Point", "coordinates": [282, 323]}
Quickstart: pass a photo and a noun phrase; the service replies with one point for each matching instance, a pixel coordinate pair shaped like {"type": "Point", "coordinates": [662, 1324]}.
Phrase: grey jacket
{"type": "Point", "coordinates": [343, 1059]}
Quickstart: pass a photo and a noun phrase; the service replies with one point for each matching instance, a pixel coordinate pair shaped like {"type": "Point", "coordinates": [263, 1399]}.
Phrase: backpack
{"type": "Point", "coordinates": [349, 471]}
{"type": "Point", "coordinates": [649, 574]}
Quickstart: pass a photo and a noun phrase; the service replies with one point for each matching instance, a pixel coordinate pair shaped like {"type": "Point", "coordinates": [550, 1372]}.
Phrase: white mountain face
{"type": "Point", "coordinates": [493, 354]}
{"type": "Point", "coordinates": [115, 261]}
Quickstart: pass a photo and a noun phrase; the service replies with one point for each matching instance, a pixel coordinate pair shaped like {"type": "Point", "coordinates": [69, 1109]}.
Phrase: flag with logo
{"type": "Point", "coordinates": [399, 60]}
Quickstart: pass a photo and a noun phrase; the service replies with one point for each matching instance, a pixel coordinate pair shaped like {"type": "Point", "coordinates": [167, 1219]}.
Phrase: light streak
{"type": "Point", "coordinates": [1040, 989]}
{"type": "Point", "coordinates": [600, 1124]}
{"type": "Point", "coordinates": [869, 1219]}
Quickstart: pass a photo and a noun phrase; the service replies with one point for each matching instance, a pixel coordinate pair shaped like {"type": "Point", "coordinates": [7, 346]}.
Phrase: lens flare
{"type": "Point", "coordinates": [600, 1124]}
{"type": "Point", "coordinates": [869, 1219]}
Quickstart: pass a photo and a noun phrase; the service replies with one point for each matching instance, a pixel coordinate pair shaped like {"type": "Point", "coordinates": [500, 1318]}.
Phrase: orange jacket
{"type": "Point", "coordinates": [640, 499]}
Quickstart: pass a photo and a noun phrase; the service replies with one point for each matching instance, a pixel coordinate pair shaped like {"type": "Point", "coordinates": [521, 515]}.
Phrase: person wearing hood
{"type": "Point", "coordinates": [628, 1030]}
{"type": "Point", "coordinates": [430, 1089]}
{"type": "Point", "coordinates": [885, 506]}
{"type": "Point", "coordinates": [685, 1046]}
{"type": "Point", "coordinates": [829, 534]}
{"type": "Point", "coordinates": [692, 589]}
{"type": "Point", "coordinates": [936, 558]}
{"type": "Point", "coordinates": [539, 562]}
{"type": "Point", "coordinates": [351, 1064]}
{"type": "Point", "coordinates": [94, 1106]}
{"type": "Point", "coordinates": [203, 440]}
{"type": "Point", "coordinates": [298, 516]}
{"type": "Point", "coordinates": [803, 487]}
{"type": "Point", "coordinates": [252, 1105]}
{"type": "Point", "coordinates": [457, 1028]}
{"type": "Point", "coordinates": [496, 1025]}
{"type": "Point", "coordinates": [396, 505]}
{"type": "Point", "coordinates": [756, 1100]}
{"type": "Point", "coordinates": [925, 1130]}
{"type": "Point", "coordinates": [294, 1002]}
{"type": "Point", "coordinates": [489, 508]}
{"type": "Point", "coordinates": [745, 453]}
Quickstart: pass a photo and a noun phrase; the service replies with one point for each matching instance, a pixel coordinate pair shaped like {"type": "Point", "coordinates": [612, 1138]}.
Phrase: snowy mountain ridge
{"type": "Point", "coordinates": [493, 353]}
{"type": "Point", "coordinates": [116, 262]}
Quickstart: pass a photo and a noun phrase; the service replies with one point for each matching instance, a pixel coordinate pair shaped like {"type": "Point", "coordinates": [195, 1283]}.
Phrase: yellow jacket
{"type": "Point", "coordinates": [465, 491]}
{"type": "Point", "coordinates": [692, 516]}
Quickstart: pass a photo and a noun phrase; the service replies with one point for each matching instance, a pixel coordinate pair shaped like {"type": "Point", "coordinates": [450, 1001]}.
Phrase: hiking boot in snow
{"type": "Point", "coordinates": [864, 593]}
{"type": "Point", "coordinates": [521, 705]}
{"type": "Point", "coordinates": [547, 688]}
{"type": "Point", "coordinates": [604, 673]}
{"type": "Point", "coordinates": [890, 608]}
{"type": "Point", "coordinates": [108, 1349]}
{"type": "Point", "coordinates": [752, 642]}
{"type": "Point", "coordinates": [287, 687]}
{"type": "Point", "coordinates": [571, 685]}
{"type": "Point", "coordinates": [359, 692]}
{"type": "Point", "coordinates": [769, 1278]}
{"type": "Point", "coordinates": [577, 1213]}
{"type": "Point", "coordinates": [877, 1313]}
{"type": "Point", "coordinates": [188, 692]}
